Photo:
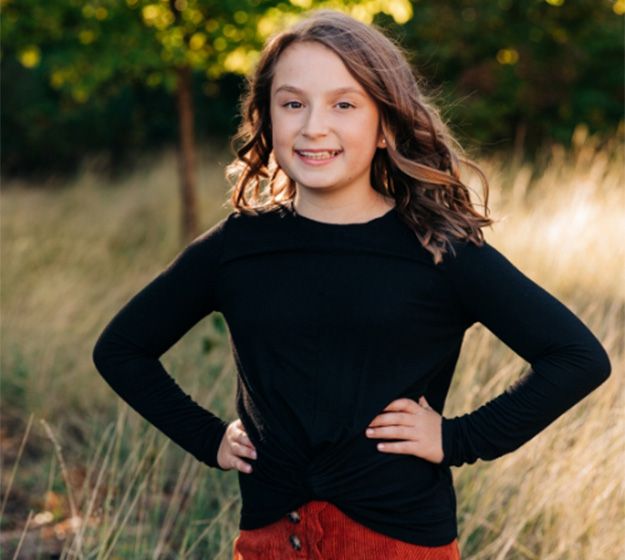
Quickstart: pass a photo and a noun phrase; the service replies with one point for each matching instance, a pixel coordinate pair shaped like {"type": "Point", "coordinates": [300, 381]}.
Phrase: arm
{"type": "Point", "coordinates": [567, 361]}
{"type": "Point", "coordinates": [127, 352]}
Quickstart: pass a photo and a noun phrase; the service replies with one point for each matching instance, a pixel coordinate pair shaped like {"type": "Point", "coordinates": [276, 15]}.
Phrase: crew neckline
{"type": "Point", "coordinates": [339, 225]}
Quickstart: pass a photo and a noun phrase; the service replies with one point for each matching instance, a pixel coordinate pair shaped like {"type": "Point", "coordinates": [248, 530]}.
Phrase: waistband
{"type": "Point", "coordinates": [319, 530]}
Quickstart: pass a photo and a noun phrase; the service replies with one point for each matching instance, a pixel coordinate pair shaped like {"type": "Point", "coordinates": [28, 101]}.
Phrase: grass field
{"type": "Point", "coordinates": [84, 476]}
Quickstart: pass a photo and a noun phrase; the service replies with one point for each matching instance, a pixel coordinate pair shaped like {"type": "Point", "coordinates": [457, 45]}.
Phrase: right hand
{"type": "Point", "coordinates": [234, 445]}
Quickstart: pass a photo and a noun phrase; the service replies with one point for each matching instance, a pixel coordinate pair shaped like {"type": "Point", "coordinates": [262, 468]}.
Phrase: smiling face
{"type": "Point", "coordinates": [316, 104]}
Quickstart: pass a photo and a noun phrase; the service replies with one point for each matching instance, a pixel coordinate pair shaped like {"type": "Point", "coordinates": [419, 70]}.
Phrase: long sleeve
{"type": "Point", "coordinates": [127, 351]}
{"type": "Point", "coordinates": [567, 362]}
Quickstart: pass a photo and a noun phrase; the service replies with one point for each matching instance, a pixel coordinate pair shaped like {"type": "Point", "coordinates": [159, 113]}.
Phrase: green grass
{"type": "Point", "coordinates": [85, 477]}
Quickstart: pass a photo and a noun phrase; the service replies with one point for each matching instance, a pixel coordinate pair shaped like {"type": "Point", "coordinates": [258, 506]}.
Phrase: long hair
{"type": "Point", "coordinates": [419, 167]}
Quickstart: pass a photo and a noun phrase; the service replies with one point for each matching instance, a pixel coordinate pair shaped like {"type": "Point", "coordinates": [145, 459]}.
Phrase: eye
{"type": "Point", "coordinates": [289, 103]}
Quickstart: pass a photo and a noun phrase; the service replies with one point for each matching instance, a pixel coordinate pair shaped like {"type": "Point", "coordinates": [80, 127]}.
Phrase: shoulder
{"type": "Point", "coordinates": [236, 232]}
{"type": "Point", "coordinates": [253, 226]}
{"type": "Point", "coordinates": [205, 249]}
{"type": "Point", "coordinates": [467, 252]}
{"type": "Point", "coordinates": [235, 221]}
{"type": "Point", "coordinates": [210, 239]}
{"type": "Point", "coordinates": [257, 216]}
{"type": "Point", "coordinates": [478, 264]}
{"type": "Point", "coordinates": [481, 267]}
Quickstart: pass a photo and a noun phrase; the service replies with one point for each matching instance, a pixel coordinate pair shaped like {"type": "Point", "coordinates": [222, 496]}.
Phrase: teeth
{"type": "Point", "coordinates": [318, 155]}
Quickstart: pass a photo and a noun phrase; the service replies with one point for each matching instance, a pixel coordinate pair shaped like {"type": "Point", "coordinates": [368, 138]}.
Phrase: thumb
{"type": "Point", "coordinates": [423, 402]}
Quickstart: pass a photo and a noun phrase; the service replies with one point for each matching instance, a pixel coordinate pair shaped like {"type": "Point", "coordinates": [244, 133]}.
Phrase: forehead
{"type": "Point", "coordinates": [310, 67]}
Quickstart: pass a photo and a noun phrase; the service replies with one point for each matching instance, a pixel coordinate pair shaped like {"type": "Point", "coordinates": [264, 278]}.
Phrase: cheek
{"type": "Point", "coordinates": [360, 149]}
{"type": "Point", "coordinates": [282, 138]}
{"type": "Point", "coordinates": [361, 133]}
{"type": "Point", "coordinates": [282, 152]}
{"type": "Point", "coordinates": [278, 140]}
{"type": "Point", "coordinates": [278, 155]}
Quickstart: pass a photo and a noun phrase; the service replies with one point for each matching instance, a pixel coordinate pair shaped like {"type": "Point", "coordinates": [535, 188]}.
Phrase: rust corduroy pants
{"type": "Point", "coordinates": [320, 531]}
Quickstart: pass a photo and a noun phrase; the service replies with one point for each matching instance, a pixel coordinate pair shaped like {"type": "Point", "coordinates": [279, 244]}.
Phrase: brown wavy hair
{"type": "Point", "coordinates": [419, 167]}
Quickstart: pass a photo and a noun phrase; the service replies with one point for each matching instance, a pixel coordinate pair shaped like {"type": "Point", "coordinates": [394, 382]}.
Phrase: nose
{"type": "Point", "coordinates": [315, 123]}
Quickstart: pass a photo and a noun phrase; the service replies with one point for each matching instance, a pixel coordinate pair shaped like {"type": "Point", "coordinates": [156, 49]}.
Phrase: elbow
{"type": "Point", "coordinates": [110, 358]}
{"type": "Point", "coordinates": [597, 367]}
{"type": "Point", "coordinates": [107, 351]}
{"type": "Point", "coordinates": [99, 354]}
{"type": "Point", "coordinates": [96, 355]}
{"type": "Point", "coordinates": [590, 366]}
{"type": "Point", "coordinates": [603, 366]}
{"type": "Point", "coordinates": [596, 362]}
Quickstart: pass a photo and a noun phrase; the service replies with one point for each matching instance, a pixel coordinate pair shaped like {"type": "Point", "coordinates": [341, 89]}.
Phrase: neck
{"type": "Point", "coordinates": [352, 210]}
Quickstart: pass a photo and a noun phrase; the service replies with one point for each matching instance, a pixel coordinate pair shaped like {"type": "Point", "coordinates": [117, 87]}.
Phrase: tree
{"type": "Point", "coordinates": [89, 49]}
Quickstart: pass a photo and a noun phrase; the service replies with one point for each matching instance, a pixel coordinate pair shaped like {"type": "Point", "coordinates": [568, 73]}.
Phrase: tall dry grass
{"type": "Point", "coordinates": [85, 477]}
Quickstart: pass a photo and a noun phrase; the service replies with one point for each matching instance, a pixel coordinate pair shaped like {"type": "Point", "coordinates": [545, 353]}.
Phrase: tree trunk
{"type": "Point", "coordinates": [186, 155]}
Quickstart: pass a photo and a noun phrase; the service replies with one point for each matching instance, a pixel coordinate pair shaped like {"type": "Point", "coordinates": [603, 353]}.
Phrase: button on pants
{"type": "Point", "coordinates": [320, 531]}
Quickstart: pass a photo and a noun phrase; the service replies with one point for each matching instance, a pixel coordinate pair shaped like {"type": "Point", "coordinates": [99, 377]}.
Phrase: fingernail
{"type": "Point", "coordinates": [254, 454]}
{"type": "Point", "coordinates": [369, 430]}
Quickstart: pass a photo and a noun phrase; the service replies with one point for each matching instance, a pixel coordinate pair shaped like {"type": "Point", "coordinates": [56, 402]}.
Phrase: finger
{"type": "Point", "coordinates": [392, 418]}
{"type": "Point", "coordinates": [243, 450]}
{"type": "Point", "coordinates": [392, 432]}
{"type": "Point", "coordinates": [250, 448]}
{"type": "Point", "coordinates": [402, 404]}
{"type": "Point", "coordinates": [242, 466]}
{"type": "Point", "coordinates": [404, 447]}
{"type": "Point", "coordinates": [424, 403]}
{"type": "Point", "coordinates": [245, 440]}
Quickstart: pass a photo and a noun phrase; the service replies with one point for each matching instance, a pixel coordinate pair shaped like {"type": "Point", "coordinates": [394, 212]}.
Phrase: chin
{"type": "Point", "coordinates": [316, 186]}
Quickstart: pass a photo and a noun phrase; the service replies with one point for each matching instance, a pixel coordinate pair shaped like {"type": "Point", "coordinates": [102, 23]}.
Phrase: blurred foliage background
{"type": "Point", "coordinates": [101, 77]}
{"type": "Point", "coordinates": [102, 104]}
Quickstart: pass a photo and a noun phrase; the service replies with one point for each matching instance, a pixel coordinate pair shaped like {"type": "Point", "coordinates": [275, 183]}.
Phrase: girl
{"type": "Point", "coordinates": [348, 272]}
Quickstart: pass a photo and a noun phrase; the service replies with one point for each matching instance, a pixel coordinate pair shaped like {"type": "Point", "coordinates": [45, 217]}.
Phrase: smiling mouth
{"type": "Point", "coordinates": [318, 155]}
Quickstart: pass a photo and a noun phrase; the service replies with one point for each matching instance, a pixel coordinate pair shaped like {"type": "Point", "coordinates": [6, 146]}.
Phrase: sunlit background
{"type": "Point", "coordinates": [115, 112]}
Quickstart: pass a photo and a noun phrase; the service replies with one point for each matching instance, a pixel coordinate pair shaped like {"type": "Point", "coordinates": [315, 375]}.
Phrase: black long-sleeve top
{"type": "Point", "coordinates": [329, 323]}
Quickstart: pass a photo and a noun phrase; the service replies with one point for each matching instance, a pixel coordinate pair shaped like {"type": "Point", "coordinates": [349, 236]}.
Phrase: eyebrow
{"type": "Point", "coordinates": [287, 87]}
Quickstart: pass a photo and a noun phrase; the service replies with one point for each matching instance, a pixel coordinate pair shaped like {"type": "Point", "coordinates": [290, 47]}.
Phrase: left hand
{"type": "Point", "coordinates": [416, 423]}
